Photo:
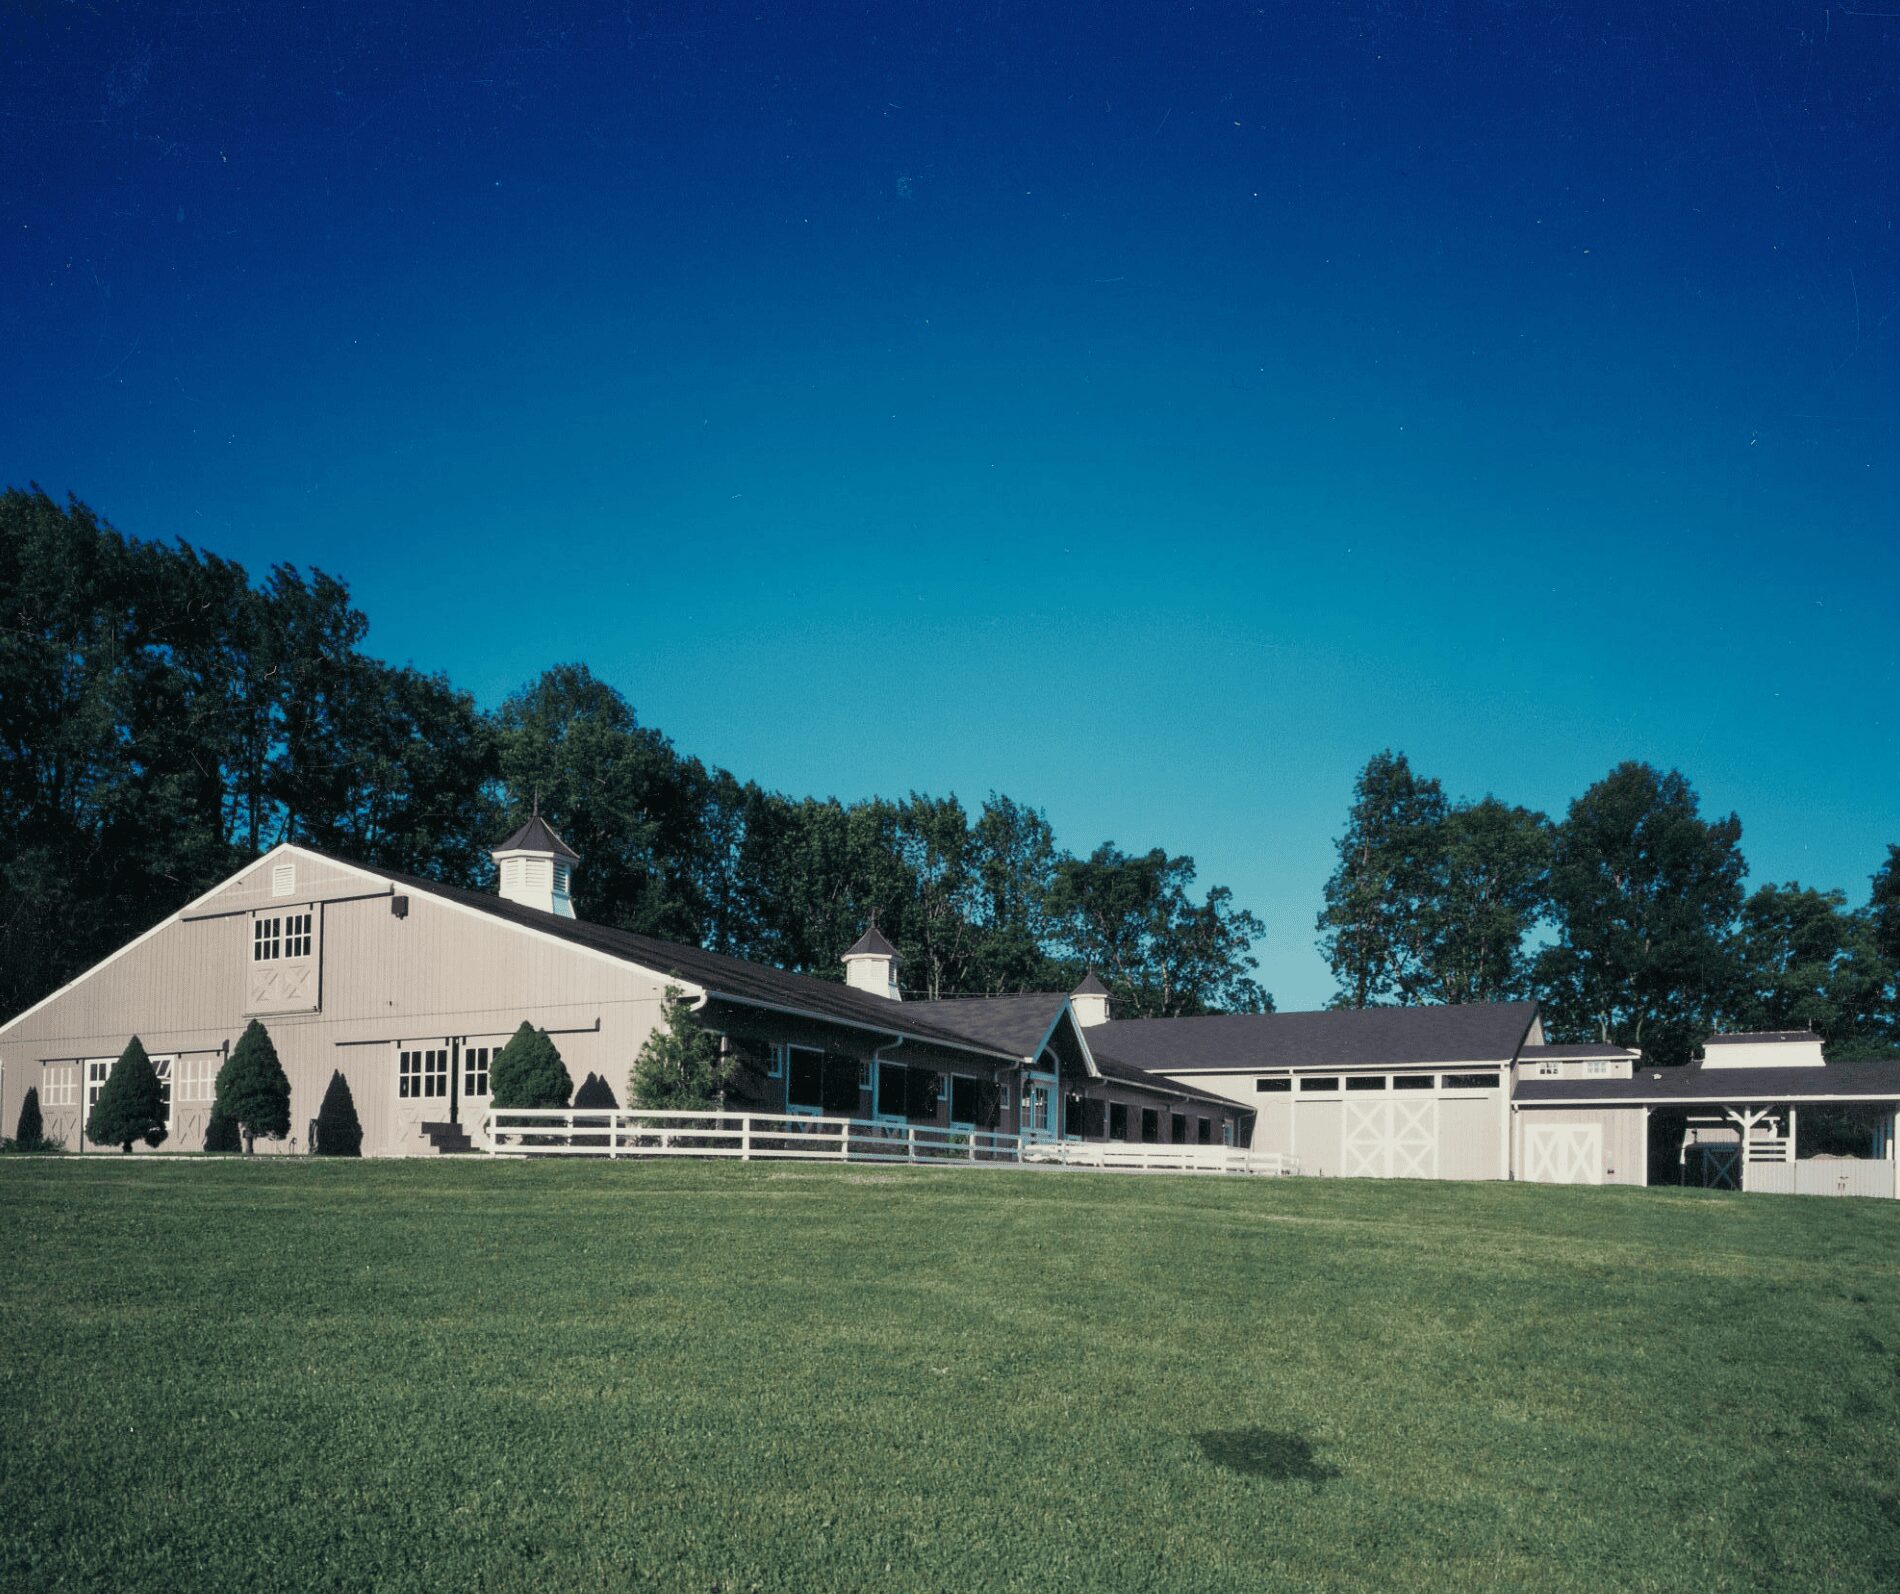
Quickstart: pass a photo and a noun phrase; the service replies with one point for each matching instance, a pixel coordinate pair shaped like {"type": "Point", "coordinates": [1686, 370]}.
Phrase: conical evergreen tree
{"type": "Point", "coordinates": [221, 1133]}
{"type": "Point", "coordinates": [528, 1072]}
{"type": "Point", "coordinates": [131, 1105]}
{"type": "Point", "coordinates": [339, 1130]}
{"type": "Point", "coordinates": [595, 1092]}
{"type": "Point", "coordinates": [30, 1134]}
{"type": "Point", "coordinates": [253, 1089]}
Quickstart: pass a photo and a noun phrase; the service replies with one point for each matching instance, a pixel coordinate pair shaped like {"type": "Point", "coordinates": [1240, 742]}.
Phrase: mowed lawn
{"type": "Point", "coordinates": [465, 1374]}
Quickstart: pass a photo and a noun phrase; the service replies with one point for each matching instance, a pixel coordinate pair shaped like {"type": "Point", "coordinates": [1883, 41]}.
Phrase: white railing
{"type": "Point", "coordinates": [799, 1137]}
{"type": "Point", "coordinates": [747, 1137]}
{"type": "Point", "coordinates": [1116, 1154]}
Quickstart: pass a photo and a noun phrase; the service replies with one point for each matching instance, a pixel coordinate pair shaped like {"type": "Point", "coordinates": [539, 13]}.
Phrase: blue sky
{"type": "Point", "coordinates": [1148, 412]}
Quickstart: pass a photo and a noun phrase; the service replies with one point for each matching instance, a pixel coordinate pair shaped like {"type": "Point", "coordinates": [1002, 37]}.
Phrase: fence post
{"type": "Point", "coordinates": [910, 1144]}
{"type": "Point", "coordinates": [745, 1138]}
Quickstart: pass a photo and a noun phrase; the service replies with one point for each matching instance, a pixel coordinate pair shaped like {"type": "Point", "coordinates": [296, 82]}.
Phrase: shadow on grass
{"type": "Point", "coordinates": [1261, 1453]}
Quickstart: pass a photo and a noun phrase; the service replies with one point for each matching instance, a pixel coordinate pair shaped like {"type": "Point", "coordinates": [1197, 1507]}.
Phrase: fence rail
{"type": "Point", "coordinates": [1115, 1154]}
{"type": "Point", "coordinates": [746, 1137]}
{"type": "Point", "coordinates": [799, 1137]}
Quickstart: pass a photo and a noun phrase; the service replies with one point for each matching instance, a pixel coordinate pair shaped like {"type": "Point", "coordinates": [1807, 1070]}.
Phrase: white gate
{"type": "Point", "coordinates": [1390, 1138]}
{"type": "Point", "coordinates": [1563, 1153]}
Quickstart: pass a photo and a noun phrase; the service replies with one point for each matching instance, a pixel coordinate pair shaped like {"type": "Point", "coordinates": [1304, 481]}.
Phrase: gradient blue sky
{"type": "Point", "coordinates": [1149, 412]}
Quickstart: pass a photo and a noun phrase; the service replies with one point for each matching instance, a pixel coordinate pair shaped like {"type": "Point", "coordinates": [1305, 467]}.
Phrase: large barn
{"type": "Point", "coordinates": [407, 988]}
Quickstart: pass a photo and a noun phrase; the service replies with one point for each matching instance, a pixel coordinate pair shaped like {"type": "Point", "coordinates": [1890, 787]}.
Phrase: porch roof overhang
{"type": "Point", "coordinates": [1719, 1087]}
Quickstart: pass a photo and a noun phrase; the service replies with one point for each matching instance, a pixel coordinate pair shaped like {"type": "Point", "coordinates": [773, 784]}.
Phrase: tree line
{"type": "Point", "coordinates": [164, 718]}
{"type": "Point", "coordinates": [1626, 919]}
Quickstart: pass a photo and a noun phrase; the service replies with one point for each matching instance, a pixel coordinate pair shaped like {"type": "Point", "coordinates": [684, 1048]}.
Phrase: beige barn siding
{"type": "Point", "coordinates": [442, 971]}
{"type": "Point", "coordinates": [1470, 1137]}
{"type": "Point", "coordinates": [1625, 1138]}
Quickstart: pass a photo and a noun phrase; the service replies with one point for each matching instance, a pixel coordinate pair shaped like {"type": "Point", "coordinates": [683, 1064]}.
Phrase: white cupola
{"type": "Point", "coordinates": [1089, 1000]}
{"type": "Point", "coordinates": [871, 965]}
{"type": "Point", "coordinates": [537, 868]}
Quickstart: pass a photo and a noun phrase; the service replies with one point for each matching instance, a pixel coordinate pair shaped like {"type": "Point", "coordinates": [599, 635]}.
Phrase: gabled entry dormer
{"type": "Point", "coordinates": [537, 868]}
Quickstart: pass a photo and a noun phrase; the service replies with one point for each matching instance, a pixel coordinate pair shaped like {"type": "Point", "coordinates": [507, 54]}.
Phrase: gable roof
{"type": "Point", "coordinates": [1367, 1037]}
{"type": "Point", "coordinates": [730, 978]}
{"type": "Point", "coordinates": [537, 835]}
{"type": "Point", "coordinates": [1018, 1025]}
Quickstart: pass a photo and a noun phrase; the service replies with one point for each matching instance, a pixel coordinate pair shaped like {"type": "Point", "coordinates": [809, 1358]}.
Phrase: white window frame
{"type": "Point", "coordinates": [59, 1085]}
{"type": "Point", "coordinates": [470, 1068]}
{"type": "Point", "coordinates": [195, 1078]}
{"type": "Point", "coordinates": [267, 938]}
{"type": "Point", "coordinates": [98, 1071]}
{"type": "Point", "coordinates": [423, 1073]}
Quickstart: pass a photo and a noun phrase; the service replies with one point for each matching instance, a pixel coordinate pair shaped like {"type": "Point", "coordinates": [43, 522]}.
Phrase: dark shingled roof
{"type": "Point", "coordinates": [871, 944]}
{"type": "Point", "coordinates": [1370, 1037]}
{"type": "Point", "coordinates": [1862, 1081]}
{"type": "Point", "coordinates": [537, 835]}
{"type": "Point", "coordinates": [1013, 1024]}
{"type": "Point", "coordinates": [723, 976]}
{"type": "Point", "coordinates": [1091, 986]}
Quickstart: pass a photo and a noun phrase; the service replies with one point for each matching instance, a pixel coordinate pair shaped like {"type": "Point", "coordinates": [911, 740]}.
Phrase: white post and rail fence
{"type": "Point", "coordinates": [800, 1137]}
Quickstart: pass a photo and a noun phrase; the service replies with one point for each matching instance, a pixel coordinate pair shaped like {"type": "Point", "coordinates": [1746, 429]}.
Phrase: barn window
{"type": "Point", "coordinates": [1150, 1126]}
{"type": "Point", "coordinates": [198, 1078]}
{"type": "Point", "coordinates": [266, 940]}
{"type": "Point", "coordinates": [98, 1070]}
{"type": "Point", "coordinates": [1203, 1131]}
{"type": "Point", "coordinates": [775, 1061]}
{"type": "Point", "coordinates": [297, 935]}
{"type": "Point", "coordinates": [1177, 1127]}
{"type": "Point", "coordinates": [61, 1086]}
{"type": "Point", "coordinates": [1549, 1069]}
{"type": "Point", "coordinates": [1413, 1081]}
{"type": "Point", "coordinates": [475, 1060]}
{"type": "Point", "coordinates": [963, 1095]}
{"type": "Point", "coordinates": [1366, 1082]}
{"type": "Point", "coordinates": [1118, 1120]}
{"type": "Point", "coordinates": [1266, 1086]}
{"type": "Point", "coordinates": [1320, 1082]}
{"type": "Point", "coordinates": [422, 1075]}
{"type": "Point", "coordinates": [1596, 1065]}
{"type": "Point", "coordinates": [1471, 1081]}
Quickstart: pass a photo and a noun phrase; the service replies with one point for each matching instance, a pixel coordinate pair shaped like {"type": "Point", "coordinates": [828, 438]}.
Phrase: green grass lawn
{"type": "Point", "coordinates": [516, 1375]}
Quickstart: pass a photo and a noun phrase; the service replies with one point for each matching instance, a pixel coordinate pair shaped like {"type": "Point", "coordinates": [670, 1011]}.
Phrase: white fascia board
{"type": "Point", "coordinates": [1224, 1070]}
{"type": "Point", "coordinates": [1712, 1103]}
{"type": "Point", "coordinates": [165, 923]}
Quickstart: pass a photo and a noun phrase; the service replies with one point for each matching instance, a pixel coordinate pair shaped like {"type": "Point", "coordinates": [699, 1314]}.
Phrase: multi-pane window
{"type": "Point", "coordinates": [162, 1066]}
{"type": "Point", "coordinates": [280, 936]}
{"type": "Point", "coordinates": [98, 1071]}
{"type": "Point", "coordinates": [60, 1087]}
{"type": "Point", "coordinates": [1596, 1065]}
{"type": "Point", "coordinates": [197, 1079]}
{"type": "Point", "coordinates": [475, 1060]}
{"type": "Point", "coordinates": [422, 1074]}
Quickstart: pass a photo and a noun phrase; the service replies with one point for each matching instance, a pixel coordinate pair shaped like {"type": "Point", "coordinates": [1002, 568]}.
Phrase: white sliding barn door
{"type": "Point", "coordinates": [1391, 1137]}
{"type": "Point", "coordinates": [1563, 1153]}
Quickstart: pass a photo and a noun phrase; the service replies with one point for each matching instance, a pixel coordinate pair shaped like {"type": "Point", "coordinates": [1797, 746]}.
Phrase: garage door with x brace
{"type": "Point", "coordinates": [1391, 1138]}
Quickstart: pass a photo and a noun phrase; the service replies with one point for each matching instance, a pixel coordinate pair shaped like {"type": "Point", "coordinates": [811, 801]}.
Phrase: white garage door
{"type": "Point", "coordinates": [1390, 1138]}
{"type": "Point", "coordinates": [1563, 1153]}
